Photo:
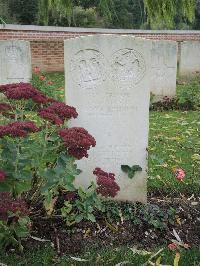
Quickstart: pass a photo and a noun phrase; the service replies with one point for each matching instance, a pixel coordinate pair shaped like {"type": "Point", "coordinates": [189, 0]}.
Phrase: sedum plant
{"type": "Point", "coordinates": [38, 154]}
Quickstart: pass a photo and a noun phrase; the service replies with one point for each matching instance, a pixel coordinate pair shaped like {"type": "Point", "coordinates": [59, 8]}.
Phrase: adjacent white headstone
{"type": "Point", "coordinates": [15, 62]}
{"type": "Point", "coordinates": [163, 69]}
{"type": "Point", "coordinates": [189, 58]}
{"type": "Point", "coordinates": [107, 79]}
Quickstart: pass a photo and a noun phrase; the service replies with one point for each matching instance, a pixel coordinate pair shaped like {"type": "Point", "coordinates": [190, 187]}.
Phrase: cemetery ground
{"type": "Point", "coordinates": [172, 214]}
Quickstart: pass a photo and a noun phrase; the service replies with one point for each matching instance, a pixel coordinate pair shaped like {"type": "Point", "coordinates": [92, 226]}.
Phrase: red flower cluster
{"type": "Point", "coordinates": [2, 176]}
{"type": "Point", "coordinates": [57, 112]}
{"type": "Point", "coordinates": [18, 129]}
{"type": "Point", "coordinates": [107, 185]}
{"type": "Point", "coordinates": [50, 117]}
{"type": "Point", "coordinates": [39, 97]}
{"type": "Point", "coordinates": [5, 107]}
{"type": "Point", "coordinates": [8, 204]}
{"type": "Point", "coordinates": [18, 91]}
{"type": "Point", "coordinates": [77, 140]}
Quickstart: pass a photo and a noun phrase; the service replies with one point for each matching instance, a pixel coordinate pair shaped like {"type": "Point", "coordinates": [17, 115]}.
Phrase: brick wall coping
{"type": "Point", "coordinates": [92, 30]}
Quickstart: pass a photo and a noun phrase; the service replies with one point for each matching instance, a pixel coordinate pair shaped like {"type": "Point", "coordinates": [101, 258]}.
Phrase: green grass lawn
{"type": "Point", "coordinates": [174, 142]}
{"type": "Point", "coordinates": [106, 257]}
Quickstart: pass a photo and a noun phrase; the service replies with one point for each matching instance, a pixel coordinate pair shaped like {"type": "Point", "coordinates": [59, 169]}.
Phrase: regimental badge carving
{"type": "Point", "coordinates": [127, 66]}
{"type": "Point", "coordinates": [89, 68]}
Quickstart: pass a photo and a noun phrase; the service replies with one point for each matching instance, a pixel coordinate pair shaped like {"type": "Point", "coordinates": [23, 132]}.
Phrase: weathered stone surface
{"type": "Point", "coordinates": [189, 58]}
{"type": "Point", "coordinates": [15, 62]}
{"type": "Point", "coordinates": [107, 80]}
{"type": "Point", "coordinates": [163, 68]}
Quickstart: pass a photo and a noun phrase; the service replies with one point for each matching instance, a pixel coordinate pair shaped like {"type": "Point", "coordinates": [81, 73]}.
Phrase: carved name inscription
{"type": "Point", "coordinates": [118, 154]}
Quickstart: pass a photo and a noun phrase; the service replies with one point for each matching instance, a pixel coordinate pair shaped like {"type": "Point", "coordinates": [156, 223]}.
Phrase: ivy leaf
{"type": "Point", "coordinates": [131, 171]}
{"type": "Point", "coordinates": [125, 168]}
{"type": "Point", "coordinates": [136, 168]}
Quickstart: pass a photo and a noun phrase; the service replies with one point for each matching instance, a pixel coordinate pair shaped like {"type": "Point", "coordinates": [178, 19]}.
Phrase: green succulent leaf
{"type": "Point", "coordinates": [79, 218]}
{"type": "Point", "coordinates": [91, 217]}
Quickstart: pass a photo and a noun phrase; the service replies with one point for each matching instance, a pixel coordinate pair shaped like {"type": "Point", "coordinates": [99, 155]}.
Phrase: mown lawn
{"type": "Point", "coordinates": [174, 142]}
{"type": "Point", "coordinates": [107, 257]}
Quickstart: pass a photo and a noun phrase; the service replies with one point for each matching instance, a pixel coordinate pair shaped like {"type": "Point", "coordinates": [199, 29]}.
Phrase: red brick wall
{"type": "Point", "coordinates": [47, 43]}
{"type": "Point", "coordinates": [48, 55]}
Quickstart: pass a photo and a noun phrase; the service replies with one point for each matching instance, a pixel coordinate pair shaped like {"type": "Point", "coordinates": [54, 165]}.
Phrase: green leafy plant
{"type": "Point", "coordinates": [156, 217]}
{"type": "Point", "coordinates": [84, 207]}
{"type": "Point", "coordinates": [131, 170]}
{"type": "Point", "coordinates": [14, 230]}
{"type": "Point", "coordinates": [37, 153]}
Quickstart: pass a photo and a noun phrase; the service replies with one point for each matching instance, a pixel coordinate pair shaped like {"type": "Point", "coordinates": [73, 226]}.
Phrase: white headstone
{"type": "Point", "coordinates": [163, 68]}
{"type": "Point", "coordinates": [107, 79]}
{"type": "Point", "coordinates": [189, 58]}
{"type": "Point", "coordinates": [15, 62]}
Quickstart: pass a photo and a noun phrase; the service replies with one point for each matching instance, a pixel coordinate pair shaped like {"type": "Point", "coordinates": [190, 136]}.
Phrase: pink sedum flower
{"type": "Point", "coordinates": [106, 184]}
{"type": "Point", "coordinates": [19, 91]}
{"type": "Point", "coordinates": [5, 107]}
{"type": "Point", "coordinates": [180, 174]}
{"type": "Point", "coordinates": [50, 117]}
{"type": "Point", "coordinates": [77, 140]}
{"type": "Point", "coordinates": [18, 129]}
{"type": "Point", "coordinates": [9, 204]}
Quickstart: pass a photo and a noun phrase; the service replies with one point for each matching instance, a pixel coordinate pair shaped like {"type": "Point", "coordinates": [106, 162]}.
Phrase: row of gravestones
{"type": "Point", "coordinates": [15, 63]}
{"type": "Point", "coordinates": [107, 78]}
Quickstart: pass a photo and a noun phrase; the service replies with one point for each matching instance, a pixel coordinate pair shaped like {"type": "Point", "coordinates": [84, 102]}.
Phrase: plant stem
{"type": "Point", "coordinates": [17, 157]}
